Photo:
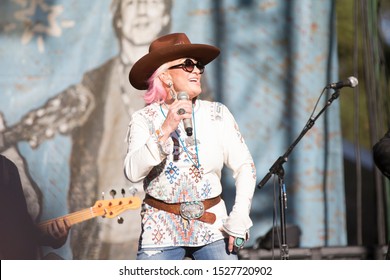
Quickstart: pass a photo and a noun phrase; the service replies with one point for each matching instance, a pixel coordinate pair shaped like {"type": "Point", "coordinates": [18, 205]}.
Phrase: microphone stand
{"type": "Point", "coordinates": [277, 169]}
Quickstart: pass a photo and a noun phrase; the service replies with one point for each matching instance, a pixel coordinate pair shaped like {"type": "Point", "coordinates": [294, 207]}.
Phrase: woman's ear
{"type": "Point", "coordinates": [166, 79]}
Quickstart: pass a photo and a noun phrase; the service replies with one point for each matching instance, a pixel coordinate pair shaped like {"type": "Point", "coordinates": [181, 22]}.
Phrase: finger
{"type": "Point", "coordinates": [50, 230]}
{"type": "Point", "coordinates": [185, 104]}
{"type": "Point", "coordinates": [53, 230]}
{"type": "Point", "coordinates": [181, 111]}
{"type": "Point", "coordinates": [67, 224]}
{"type": "Point", "coordinates": [57, 229]}
{"type": "Point", "coordinates": [231, 242]}
{"type": "Point", "coordinates": [183, 114]}
{"type": "Point", "coordinates": [60, 225]}
{"type": "Point", "coordinates": [238, 243]}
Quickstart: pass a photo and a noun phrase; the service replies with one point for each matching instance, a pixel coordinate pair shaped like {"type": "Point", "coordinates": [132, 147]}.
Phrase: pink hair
{"type": "Point", "coordinates": [156, 91]}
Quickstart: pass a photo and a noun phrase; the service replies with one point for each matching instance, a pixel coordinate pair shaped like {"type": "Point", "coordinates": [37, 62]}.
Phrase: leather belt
{"type": "Point", "coordinates": [194, 210]}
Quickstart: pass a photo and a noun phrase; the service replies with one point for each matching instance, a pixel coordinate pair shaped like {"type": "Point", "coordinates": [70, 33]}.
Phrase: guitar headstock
{"type": "Point", "coordinates": [113, 207]}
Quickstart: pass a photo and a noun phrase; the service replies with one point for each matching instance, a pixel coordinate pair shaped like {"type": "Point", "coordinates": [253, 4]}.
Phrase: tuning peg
{"type": "Point", "coordinates": [103, 195]}
{"type": "Point", "coordinates": [123, 192]}
{"type": "Point", "coordinates": [133, 191]}
{"type": "Point", "coordinates": [113, 193]}
{"type": "Point", "coordinates": [120, 220]}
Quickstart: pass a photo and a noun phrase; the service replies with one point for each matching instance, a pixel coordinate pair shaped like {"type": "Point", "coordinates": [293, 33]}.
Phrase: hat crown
{"type": "Point", "coordinates": [168, 41]}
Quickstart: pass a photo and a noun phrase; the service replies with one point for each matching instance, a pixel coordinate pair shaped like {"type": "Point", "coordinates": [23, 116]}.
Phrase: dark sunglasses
{"type": "Point", "coordinates": [188, 65]}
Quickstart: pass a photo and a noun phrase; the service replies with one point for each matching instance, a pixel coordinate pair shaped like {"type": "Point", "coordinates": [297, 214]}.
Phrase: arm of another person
{"type": "Point", "coordinates": [381, 154]}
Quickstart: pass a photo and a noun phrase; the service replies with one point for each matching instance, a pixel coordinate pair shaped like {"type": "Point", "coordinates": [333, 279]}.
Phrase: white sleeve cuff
{"type": "Point", "coordinates": [237, 225]}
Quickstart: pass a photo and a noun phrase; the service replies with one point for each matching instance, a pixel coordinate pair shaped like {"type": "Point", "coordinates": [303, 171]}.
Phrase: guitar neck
{"type": "Point", "coordinates": [73, 218]}
{"type": "Point", "coordinates": [107, 208]}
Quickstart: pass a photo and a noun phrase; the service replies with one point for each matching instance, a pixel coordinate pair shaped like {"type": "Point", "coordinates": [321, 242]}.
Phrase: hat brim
{"type": "Point", "coordinates": [146, 65]}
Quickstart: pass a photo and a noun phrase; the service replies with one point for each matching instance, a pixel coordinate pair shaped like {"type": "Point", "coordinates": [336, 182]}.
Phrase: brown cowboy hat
{"type": "Point", "coordinates": [167, 48]}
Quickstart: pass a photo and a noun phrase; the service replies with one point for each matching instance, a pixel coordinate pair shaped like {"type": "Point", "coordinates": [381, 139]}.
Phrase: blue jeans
{"type": "Point", "coordinates": [213, 251]}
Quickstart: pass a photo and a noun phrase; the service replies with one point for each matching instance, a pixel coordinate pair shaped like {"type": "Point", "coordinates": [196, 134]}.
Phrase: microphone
{"type": "Point", "coordinates": [187, 122]}
{"type": "Point", "coordinates": [350, 82]}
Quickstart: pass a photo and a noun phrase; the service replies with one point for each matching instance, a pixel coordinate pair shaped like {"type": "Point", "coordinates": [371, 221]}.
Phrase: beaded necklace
{"type": "Point", "coordinates": [197, 161]}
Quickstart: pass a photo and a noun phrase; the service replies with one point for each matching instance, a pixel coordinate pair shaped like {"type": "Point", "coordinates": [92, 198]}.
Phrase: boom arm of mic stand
{"type": "Point", "coordinates": [277, 167]}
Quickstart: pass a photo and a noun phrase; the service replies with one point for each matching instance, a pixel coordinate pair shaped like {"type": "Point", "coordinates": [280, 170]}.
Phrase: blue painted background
{"type": "Point", "coordinates": [276, 58]}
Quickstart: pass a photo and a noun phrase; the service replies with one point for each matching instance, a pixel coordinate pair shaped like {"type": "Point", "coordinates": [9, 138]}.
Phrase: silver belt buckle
{"type": "Point", "coordinates": [192, 210]}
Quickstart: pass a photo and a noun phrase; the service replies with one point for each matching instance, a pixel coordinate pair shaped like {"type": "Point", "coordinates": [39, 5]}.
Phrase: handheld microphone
{"type": "Point", "coordinates": [187, 122]}
{"type": "Point", "coordinates": [350, 82]}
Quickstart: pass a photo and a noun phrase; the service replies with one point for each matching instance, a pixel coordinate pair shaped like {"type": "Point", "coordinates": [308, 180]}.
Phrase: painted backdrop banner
{"type": "Point", "coordinates": [65, 104]}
